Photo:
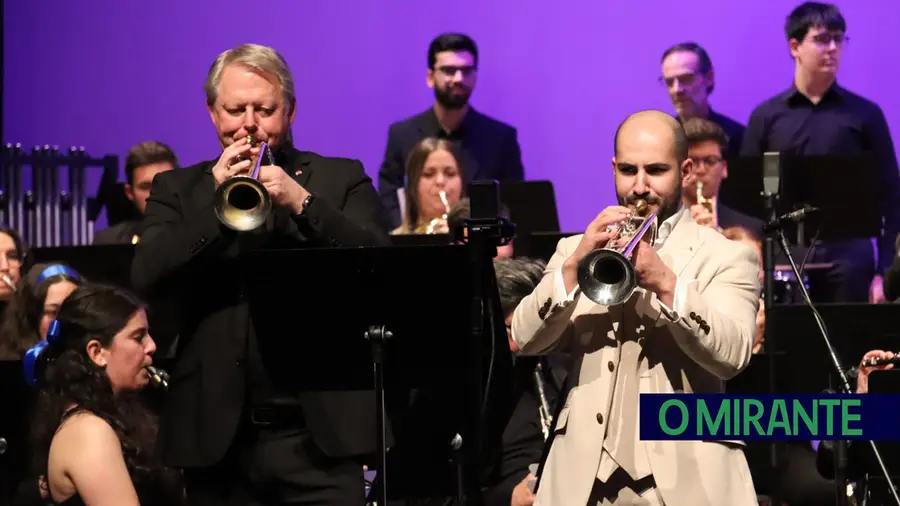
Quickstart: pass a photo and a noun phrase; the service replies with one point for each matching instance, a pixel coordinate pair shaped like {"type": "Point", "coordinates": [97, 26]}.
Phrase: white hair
{"type": "Point", "coordinates": [258, 58]}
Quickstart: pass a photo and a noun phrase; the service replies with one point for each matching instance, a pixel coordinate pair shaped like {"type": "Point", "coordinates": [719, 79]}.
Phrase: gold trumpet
{"type": "Point", "coordinates": [431, 227]}
{"type": "Point", "coordinates": [709, 204]}
{"type": "Point", "coordinates": [242, 203]}
{"type": "Point", "coordinates": [606, 275]}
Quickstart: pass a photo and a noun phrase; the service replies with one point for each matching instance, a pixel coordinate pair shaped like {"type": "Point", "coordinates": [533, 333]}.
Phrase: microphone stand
{"type": "Point", "coordinates": [840, 447]}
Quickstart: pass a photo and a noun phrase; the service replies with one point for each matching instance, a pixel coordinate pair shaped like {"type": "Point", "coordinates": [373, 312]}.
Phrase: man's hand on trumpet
{"type": "Point", "coordinates": [703, 216]}
{"type": "Point", "coordinates": [284, 190]}
{"type": "Point", "coordinates": [236, 159]}
{"type": "Point", "coordinates": [597, 235]}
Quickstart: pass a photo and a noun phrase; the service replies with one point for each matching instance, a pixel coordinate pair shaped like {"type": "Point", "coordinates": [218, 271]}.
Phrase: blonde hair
{"type": "Point", "coordinates": [261, 59]}
{"type": "Point", "coordinates": [415, 165]}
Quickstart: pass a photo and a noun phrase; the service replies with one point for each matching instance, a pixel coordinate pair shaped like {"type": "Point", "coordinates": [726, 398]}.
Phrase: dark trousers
{"type": "Point", "coordinates": [275, 467]}
{"type": "Point", "coordinates": [849, 278]}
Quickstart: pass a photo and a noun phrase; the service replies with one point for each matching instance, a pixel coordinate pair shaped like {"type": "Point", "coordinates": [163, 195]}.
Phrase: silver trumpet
{"type": "Point", "coordinates": [606, 275]}
{"type": "Point", "coordinates": [544, 408]}
{"type": "Point", "coordinates": [158, 377]}
{"type": "Point", "coordinates": [242, 203]}
{"type": "Point", "coordinates": [9, 282]}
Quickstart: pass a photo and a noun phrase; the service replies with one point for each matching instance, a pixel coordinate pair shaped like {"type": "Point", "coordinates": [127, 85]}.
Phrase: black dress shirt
{"type": "Point", "coordinates": [841, 124]}
{"type": "Point", "coordinates": [489, 148]}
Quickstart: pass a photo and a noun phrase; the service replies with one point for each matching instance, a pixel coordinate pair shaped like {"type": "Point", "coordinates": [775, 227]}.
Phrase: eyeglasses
{"type": "Point", "coordinates": [708, 162]}
{"type": "Point", "coordinates": [451, 70]}
{"type": "Point", "coordinates": [12, 256]}
{"type": "Point", "coordinates": [825, 39]}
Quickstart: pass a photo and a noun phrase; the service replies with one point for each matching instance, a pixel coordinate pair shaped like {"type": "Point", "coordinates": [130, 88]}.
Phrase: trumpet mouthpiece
{"type": "Point", "coordinates": [640, 205]}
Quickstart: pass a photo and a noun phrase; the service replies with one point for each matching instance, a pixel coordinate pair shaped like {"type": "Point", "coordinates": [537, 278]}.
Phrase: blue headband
{"type": "Point", "coordinates": [57, 270]}
{"type": "Point", "coordinates": [29, 362]}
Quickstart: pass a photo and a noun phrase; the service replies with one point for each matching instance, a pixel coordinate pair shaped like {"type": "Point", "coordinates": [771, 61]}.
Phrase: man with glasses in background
{"type": "Point", "coordinates": [815, 117]}
{"type": "Point", "coordinates": [688, 75]}
{"type": "Point", "coordinates": [490, 148]}
{"type": "Point", "coordinates": [707, 144]}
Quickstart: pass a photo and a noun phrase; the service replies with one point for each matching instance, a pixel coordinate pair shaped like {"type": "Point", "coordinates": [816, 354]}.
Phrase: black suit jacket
{"type": "Point", "coordinates": [490, 150]}
{"type": "Point", "coordinates": [120, 233]}
{"type": "Point", "coordinates": [185, 252]}
{"type": "Point", "coordinates": [729, 217]}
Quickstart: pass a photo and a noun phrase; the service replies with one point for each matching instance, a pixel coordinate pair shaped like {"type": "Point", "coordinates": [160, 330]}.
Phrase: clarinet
{"type": "Point", "coordinates": [544, 408]}
{"type": "Point", "coordinates": [158, 377]}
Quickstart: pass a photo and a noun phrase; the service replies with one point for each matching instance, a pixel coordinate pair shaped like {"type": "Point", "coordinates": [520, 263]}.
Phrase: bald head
{"type": "Point", "coordinates": [664, 127]}
{"type": "Point", "coordinates": [651, 159]}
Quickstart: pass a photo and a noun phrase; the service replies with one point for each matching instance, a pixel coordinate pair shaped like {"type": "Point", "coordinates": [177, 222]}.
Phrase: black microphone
{"type": "Point", "coordinates": [793, 216]}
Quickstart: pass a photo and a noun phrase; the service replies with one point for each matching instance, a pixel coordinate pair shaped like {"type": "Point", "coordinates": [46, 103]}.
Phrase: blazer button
{"type": "Point", "coordinates": [611, 366]}
{"type": "Point", "coordinates": [693, 315]}
{"type": "Point", "coordinates": [600, 418]}
{"type": "Point", "coordinates": [239, 363]}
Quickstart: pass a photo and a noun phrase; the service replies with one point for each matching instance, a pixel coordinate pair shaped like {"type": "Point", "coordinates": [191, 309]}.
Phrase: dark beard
{"type": "Point", "coordinates": [451, 101]}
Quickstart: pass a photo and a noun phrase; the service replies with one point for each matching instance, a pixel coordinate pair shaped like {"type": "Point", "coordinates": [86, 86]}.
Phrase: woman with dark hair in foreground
{"type": "Point", "coordinates": [93, 440]}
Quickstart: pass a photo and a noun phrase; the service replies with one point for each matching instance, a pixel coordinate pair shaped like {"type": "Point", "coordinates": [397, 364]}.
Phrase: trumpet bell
{"type": "Point", "coordinates": [606, 277]}
{"type": "Point", "coordinates": [242, 203]}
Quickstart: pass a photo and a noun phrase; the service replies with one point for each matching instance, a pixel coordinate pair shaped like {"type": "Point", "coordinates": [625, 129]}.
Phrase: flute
{"type": "Point", "coordinates": [159, 377]}
{"type": "Point", "coordinates": [873, 362]}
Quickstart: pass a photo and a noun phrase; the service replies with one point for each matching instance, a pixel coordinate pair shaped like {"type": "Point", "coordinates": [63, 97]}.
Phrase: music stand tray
{"type": "Point", "coordinates": [314, 312]}
{"type": "Point", "coordinates": [110, 264]}
{"type": "Point", "coordinates": [532, 205]}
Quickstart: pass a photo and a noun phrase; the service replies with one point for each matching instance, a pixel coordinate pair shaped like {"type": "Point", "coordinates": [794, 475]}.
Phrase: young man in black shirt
{"type": "Point", "coordinates": [816, 116]}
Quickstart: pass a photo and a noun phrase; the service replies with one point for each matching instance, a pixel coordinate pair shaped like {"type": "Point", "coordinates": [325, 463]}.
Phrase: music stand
{"type": "Point", "coordinates": [532, 205]}
{"type": "Point", "coordinates": [858, 328]}
{"type": "Point", "coordinates": [541, 245]}
{"type": "Point", "coordinates": [404, 240]}
{"type": "Point", "coordinates": [850, 207]}
{"type": "Point", "coordinates": [17, 399]}
{"type": "Point", "coordinates": [110, 264]}
{"type": "Point", "coordinates": [401, 313]}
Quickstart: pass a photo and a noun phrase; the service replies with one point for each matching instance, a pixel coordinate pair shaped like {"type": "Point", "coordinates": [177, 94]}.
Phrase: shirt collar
{"type": "Point", "coordinates": [792, 94]}
{"type": "Point", "coordinates": [665, 229]}
{"type": "Point", "coordinates": [432, 127]}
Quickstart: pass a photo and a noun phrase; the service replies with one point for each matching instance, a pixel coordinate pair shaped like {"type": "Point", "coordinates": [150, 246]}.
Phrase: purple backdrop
{"type": "Point", "coordinates": [108, 74]}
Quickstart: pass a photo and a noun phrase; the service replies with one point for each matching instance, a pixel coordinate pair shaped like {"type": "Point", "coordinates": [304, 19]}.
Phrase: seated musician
{"type": "Point", "coordinates": [34, 306]}
{"type": "Point", "coordinates": [13, 255]}
{"type": "Point", "coordinates": [142, 163]}
{"type": "Point", "coordinates": [859, 457]}
{"type": "Point", "coordinates": [538, 382]}
{"type": "Point", "coordinates": [743, 235]}
{"type": "Point", "coordinates": [434, 186]}
{"type": "Point", "coordinates": [463, 210]}
{"type": "Point", "coordinates": [707, 144]}
{"type": "Point", "coordinates": [93, 441]}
